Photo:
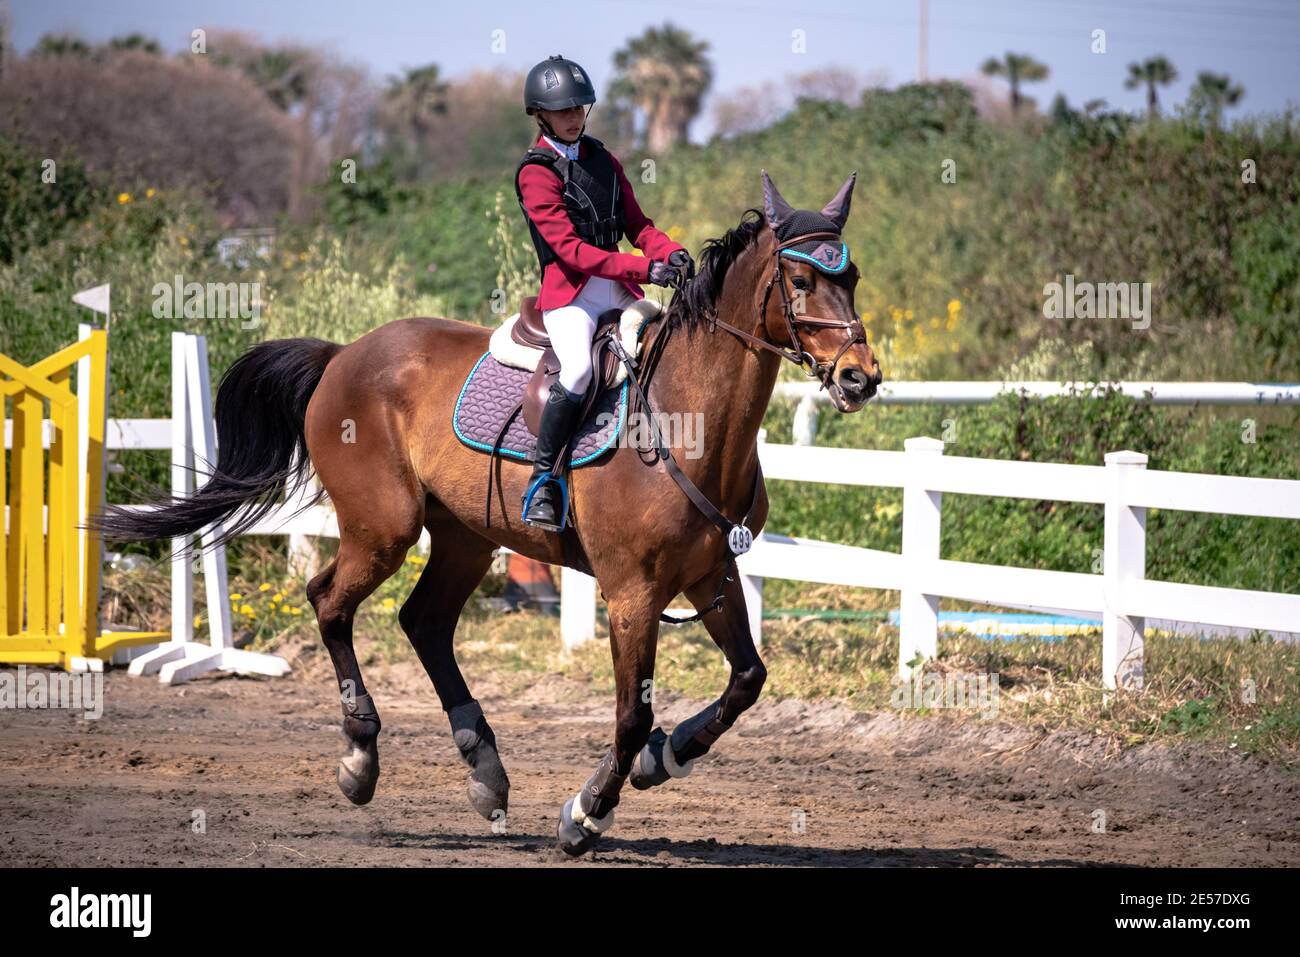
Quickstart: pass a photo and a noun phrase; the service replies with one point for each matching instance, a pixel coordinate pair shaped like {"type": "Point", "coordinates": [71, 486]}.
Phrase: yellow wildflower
{"type": "Point", "coordinates": [123, 198]}
{"type": "Point", "coordinates": [246, 610]}
{"type": "Point", "coordinates": [264, 587]}
{"type": "Point", "coordinates": [389, 603]}
{"type": "Point", "coordinates": [150, 192]}
{"type": "Point", "coordinates": [235, 596]}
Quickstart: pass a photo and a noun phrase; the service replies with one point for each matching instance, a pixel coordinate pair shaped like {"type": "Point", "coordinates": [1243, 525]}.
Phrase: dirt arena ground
{"type": "Point", "coordinates": [258, 757]}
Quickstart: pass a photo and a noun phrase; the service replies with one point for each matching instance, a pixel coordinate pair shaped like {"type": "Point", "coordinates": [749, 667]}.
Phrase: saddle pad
{"type": "Point", "coordinates": [492, 390]}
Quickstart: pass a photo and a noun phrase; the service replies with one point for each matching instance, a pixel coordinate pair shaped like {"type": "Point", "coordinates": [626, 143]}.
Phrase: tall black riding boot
{"type": "Point", "coordinates": [549, 494]}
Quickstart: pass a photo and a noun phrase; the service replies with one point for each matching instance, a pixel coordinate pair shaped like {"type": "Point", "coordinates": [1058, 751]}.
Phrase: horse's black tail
{"type": "Point", "coordinates": [261, 449]}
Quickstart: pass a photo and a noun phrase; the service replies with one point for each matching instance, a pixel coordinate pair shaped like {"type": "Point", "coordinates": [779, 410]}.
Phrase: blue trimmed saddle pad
{"type": "Point", "coordinates": [492, 390]}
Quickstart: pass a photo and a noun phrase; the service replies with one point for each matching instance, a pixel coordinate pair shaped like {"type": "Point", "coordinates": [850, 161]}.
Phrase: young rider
{"type": "Point", "coordinates": [578, 204]}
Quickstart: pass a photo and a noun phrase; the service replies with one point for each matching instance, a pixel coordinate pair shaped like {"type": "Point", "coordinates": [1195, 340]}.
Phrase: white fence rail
{"type": "Point", "coordinates": [1121, 594]}
{"type": "Point", "coordinates": [810, 396]}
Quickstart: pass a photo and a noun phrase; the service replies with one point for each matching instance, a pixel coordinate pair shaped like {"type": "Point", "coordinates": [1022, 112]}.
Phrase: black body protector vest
{"type": "Point", "coordinates": [591, 195]}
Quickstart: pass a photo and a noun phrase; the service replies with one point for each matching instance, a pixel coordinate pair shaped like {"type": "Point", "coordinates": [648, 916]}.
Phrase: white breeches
{"type": "Point", "coordinates": [571, 328]}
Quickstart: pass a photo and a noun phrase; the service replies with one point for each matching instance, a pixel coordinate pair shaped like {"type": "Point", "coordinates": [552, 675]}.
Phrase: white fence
{"type": "Point", "coordinates": [1121, 594]}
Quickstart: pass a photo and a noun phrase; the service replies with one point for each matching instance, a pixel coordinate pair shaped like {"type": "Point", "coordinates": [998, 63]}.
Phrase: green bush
{"type": "Point", "coordinates": [32, 211]}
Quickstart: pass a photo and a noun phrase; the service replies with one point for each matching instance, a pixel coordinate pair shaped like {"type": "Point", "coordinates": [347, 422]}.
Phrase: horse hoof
{"type": "Point", "coordinates": [490, 801]}
{"type": "Point", "coordinates": [359, 772]}
{"type": "Point", "coordinates": [570, 836]}
{"type": "Point", "coordinates": [648, 769]}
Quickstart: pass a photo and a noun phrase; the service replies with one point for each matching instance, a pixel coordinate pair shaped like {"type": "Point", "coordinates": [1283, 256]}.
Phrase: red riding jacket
{"type": "Point", "coordinates": [563, 279]}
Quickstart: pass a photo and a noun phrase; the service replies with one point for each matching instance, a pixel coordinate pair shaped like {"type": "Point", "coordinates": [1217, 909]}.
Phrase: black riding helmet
{"type": "Point", "coordinates": [557, 84]}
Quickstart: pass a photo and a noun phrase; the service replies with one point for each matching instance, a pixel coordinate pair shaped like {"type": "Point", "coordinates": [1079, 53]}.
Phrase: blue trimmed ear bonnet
{"type": "Point", "coordinates": [787, 222]}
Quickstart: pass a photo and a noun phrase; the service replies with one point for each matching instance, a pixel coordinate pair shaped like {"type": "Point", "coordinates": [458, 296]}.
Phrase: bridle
{"type": "Point", "coordinates": [799, 356]}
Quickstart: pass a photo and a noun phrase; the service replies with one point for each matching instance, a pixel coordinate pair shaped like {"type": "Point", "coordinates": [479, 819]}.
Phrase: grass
{"type": "Point", "coordinates": [1230, 693]}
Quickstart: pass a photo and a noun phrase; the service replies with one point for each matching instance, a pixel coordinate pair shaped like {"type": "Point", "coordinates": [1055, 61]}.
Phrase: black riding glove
{"type": "Point", "coordinates": [681, 259]}
{"type": "Point", "coordinates": [661, 274]}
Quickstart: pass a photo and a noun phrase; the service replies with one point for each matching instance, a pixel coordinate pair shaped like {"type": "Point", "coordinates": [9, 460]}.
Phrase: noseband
{"type": "Point", "coordinates": [799, 356]}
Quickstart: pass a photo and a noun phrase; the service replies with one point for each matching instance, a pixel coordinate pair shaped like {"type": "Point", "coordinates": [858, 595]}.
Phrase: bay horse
{"type": "Point", "coordinates": [374, 420]}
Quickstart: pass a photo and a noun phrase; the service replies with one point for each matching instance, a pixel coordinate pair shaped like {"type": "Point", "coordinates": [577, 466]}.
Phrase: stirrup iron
{"type": "Point", "coordinates": [536, 484]}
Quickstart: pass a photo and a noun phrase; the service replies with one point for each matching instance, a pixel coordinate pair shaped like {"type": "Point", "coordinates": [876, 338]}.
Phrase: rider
{"type": "Point", "coordinates": [578, 203]}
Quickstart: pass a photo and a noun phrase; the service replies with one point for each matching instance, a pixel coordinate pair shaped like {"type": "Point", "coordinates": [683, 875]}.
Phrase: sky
{"type": "Point", "coordinates": [1257, 42]}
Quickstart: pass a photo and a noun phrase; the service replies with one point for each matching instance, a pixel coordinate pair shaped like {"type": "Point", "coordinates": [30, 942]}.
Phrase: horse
{"type": "Point", "coordinates": [373, 420]}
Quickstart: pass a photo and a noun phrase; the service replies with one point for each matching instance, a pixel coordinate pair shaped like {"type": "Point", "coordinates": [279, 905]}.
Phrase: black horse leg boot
{"type": "Point", "coordinates": [546, 502]}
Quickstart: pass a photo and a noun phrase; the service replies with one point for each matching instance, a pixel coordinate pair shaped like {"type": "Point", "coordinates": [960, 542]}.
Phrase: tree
{"type": "Point", "coordinates": [1212, 94]}
{"type": "Point", "coordinates": [61, 44]}
{"type": "Point", "coordinates": [326, 97]}
{"type": "Point", "coordinates": [1017, 68]}
{"type": "Point", "coordinates": [284, 73]}
{"type": "Point", "coordinates": [6, 36]}
{"type": "Point", "coordinates": [136, 119]}
{"type": "Point", "coordinates": [134, 41]}
{"type": "Point", "coordinates": [54, 45]}
{"type": "Point", "coordinates": [664, 73]}
{"type": "Point", "coordinates": [1152, 72]}
{"type": "Point", "coordinates": [412, 103]}
{"type": "Point", "coordinates": [415, 98]}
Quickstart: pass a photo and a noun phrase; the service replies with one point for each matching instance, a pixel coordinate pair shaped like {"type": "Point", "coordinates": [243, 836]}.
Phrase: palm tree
{"type": "Point", "coordinates": [1017, 68]}
{"type": "Point", "coordinates": [1152, 72]}
{"type": "Point", "coordinates": [1213, 93]}
{"type": "Point", "coordinates": [665, 74]}
{"type": "Point", "coordinates": [285, 74]}
{"type": "Point", "coordinates": [412, 104]}
{"type": "Point", "coordinates": [415, 98]}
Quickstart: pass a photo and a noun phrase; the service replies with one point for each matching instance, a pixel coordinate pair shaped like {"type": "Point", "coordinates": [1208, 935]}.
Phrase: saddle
{"type": "Point", "coordinates": [522, 342]}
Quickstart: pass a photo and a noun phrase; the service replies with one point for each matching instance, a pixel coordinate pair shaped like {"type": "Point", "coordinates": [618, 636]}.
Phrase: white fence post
{"type": "Point", "coordinates": [1124, 559]}
{"type": "Point", "coordinates": [194, 449]}
{"type": "Point", "coordinates": [304, 555]}
{"type": "Point", "coordinates": [752, 588]}
{"type": "Point", "coordinates": [203, 434]}
{"type": "Point", "coordinates": [805, 420]}
{"type": "Point", "coordinates": [918, 612]}
{"type": "Point", "coordinates": [182, 487]}
{"type": "Point", "coordinates": [577, 608]}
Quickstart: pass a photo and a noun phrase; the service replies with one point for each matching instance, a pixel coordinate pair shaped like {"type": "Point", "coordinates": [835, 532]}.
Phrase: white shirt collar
{"type": "Point", "coordinates": [570, 152]}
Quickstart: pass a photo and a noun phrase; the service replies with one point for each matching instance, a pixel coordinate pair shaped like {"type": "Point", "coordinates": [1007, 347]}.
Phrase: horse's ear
{"type": "Point", "coordinates": [776, 208]}
{"type": "Point", "coordinates": [837, 210]}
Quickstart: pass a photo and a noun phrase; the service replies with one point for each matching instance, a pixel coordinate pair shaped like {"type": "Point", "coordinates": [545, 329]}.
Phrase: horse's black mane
{"type": "Point", "coordinates": [699, 297]}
